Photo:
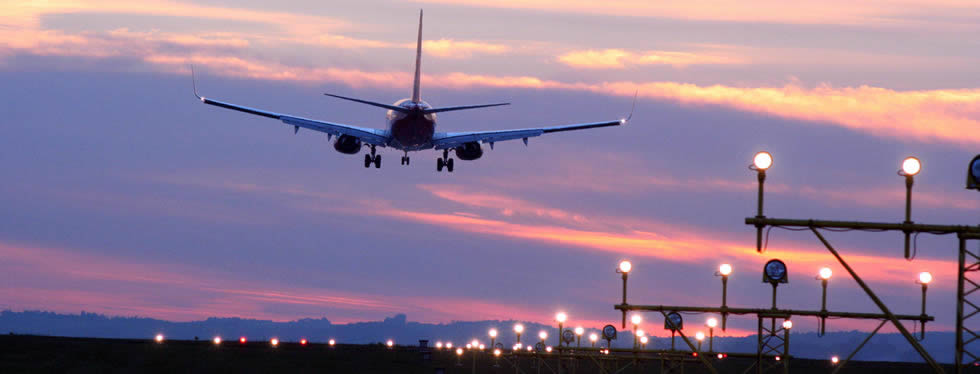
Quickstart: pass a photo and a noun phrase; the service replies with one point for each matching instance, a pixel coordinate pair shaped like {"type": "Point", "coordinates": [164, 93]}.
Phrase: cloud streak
{"type": "Point", "coordinates": [620, 59]}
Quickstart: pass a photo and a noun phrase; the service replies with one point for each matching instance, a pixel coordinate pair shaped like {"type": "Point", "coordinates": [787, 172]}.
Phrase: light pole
{"type": "Point", "coordinates": [925, 278]}
{"type": "Point", "coordinates": [518, 329]}
{"type": "Point", "coordinates": [724, 271]}
{"type": "Point", "coordinates": [910, 167]}
{"type": "Point", "coordinates": [493, 337]}
{"type": "Point", "coordinates": [711, 322]}
{"type": "Point", "coordinates": [624, 268]}
{"type": "Point", "coordinates": [636, 319]}
{"type": "Point", "coordinates": [824, 276]}
{"type": "Point", "coordinates": [561, 317]}
{"type": "Point", "coordinates": [579, 331]}
{"type": "Point", "coordinates": [459, 356]}
{"type": "Point", "coordinates": [760, 163]}
{"type": "Point", "coordinates": [700, 338]}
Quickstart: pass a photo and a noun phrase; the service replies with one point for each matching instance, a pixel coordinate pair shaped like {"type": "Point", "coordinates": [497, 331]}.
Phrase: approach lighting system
{"type": "Point", "coordinates": [674, 322]}
{"type": "Point", "coordinates": [699, 336]}
{"type": "Point", "coordinates": [548, 349]}
{"type": "Point", "coordinates": [911, 166]}
{"type": "Point", "coordinates": [593, 337]}
{"type": "Point", "coordinates": [482, 347]}
{"type": "Point", "coordinates": [449, 345]}
{"type": "Point", "coordinates": [925, 277]}
{"type": "Point", "coordinates": [636, 319]}
{"type": "Point", "coordinates": [496, 352]}
{"type": "Point", "coordinates": [762, 160]}
{"type": "Point", "coordinates": [625, 266]}
{"type": "Point", "coordinates": [787, 324]}
{"type": "Point", "coordinates": [303, 341]}
{"type": "Point", "coordinates": [543, 335]}
{"type": "Point", "coordinates": [493, 333]}
{"type": "Point", "coordinates": [459, 351]}
{"type": "Point", "coordinates": [390, 343]}
{"type": "Point", "coordinates": [775, 272]}
{"type": "Point", "coordinates": [834, 360]}
{"type": "Point", "coordinates": [216, 340]}
{"type": "Point", "coordinates": [438, 345]}
{"type": "Point", "coordinates": [158, 338]}
{"type": "Point", "coordinates": [712, 322]}
{"type": "Point", "coordinates": [644, 340]}
{"type": "Point", "coordinates": [580, 331]}
{"type": "Point", "coordinates": [640, 333]}
{"type": "Point", "coordinates": [725, 270]}
{"type": "Point", "coordinates": [518, 328]}
{"type": "Point", "coordinates": [475, 343]}
{"type": "Point", "coordinates": [332, 342]}
{"type": "Point", "coordinates": [242, 340]}
{"type": "Point", "coordinates": [973, 174]}
{"type": "Point", "coordinates": [826, 273]}
{"type": "Point", "coordinates": [561, 317]}
{"type": "Point", "coordinates": [274, 342]}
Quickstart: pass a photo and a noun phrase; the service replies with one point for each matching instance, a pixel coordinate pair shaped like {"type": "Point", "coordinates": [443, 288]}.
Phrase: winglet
{"type": "Point", "coordinates": [628, 118]}
{"type": "Point", "coordinates": [416, 89]}
{"type": "Point", "coordinates": [194, 84]}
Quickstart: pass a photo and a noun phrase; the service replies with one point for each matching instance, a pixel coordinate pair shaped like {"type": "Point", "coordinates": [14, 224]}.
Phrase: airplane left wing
{"type": "Point", "coordinates": [366, 135]}
{"type": "Point", "coordinates": [446, 140]}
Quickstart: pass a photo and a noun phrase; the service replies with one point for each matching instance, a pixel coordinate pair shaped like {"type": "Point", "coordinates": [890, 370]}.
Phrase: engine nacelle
{"type": "Point", "coordinates": [347, 144]}
{"type": "Point", "coordinates": [469, 151]}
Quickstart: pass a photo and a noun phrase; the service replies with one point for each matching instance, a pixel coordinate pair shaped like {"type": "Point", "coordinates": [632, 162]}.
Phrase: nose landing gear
{"type": "Point", "coordinates": [444, 162]}
{"type": "Point", "coordinates": [405, 159]}
{"type": "Point", "coordinates": [372, 158]}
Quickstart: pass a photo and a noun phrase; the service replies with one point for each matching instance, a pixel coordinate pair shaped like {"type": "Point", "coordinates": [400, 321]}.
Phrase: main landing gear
{"type": "Point", "coordinates": [405, 159]}
{"type": "Point", "coordinates": [372, 159]}
{"type": "Point", "coordinates": [445, 161]}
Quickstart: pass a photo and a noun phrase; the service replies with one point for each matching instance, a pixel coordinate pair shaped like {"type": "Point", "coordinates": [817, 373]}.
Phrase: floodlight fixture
{"type": "Point", "coordinates": [762, 161]}
{"type": "Point", "coordinates": [911, 166]}
{"type": "Point", "coordinates": [826, 273]}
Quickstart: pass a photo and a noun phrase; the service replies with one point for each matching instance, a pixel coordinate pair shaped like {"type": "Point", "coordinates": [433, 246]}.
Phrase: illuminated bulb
{"type": "Point", "coordinates": [787, 324]}
{"type": "Point", "coordinates": [496, 352]}
{"type": "Point", "coordinates": [825, 273]}
{"type": "Point", "coordinates": [720, 356]}
{"type": "Point", "coordinates": [548, 348]}
{"type": "Point", "coordinates": [636, 319]}
{"type": "Point", "coordinates": [216, 340]}
{"type": "Point", "coordinates": [762, 160]}
{"type": "Point", "coordinates": [778, 358]}
{"type": "Point", "coordinates": [625, 266]}
{"type": "Point", "coordinates": [482, 347]}
{"type": "Point", "coordinates": [594, 337]}
{"type": "Point", "coordinates": [640, 333]}
{"type": "Point", "coordinates": [712, 322]}
{"type": "Point", "coordinates": [158, 338]}
{"type": "Point", "coordinates": [543, 335]}
{"type": "Point", "coordinates": [332, 342]}
{"type": "Point", "coordinates": [725, 269]}
{"type": "Point", "coordinates": [644, 340]}
{"type": "Point", "coordinates": [390, 343]}
{"type": "Point", "coordinates": [925, 277]}
{"type": "Point", "coordinates": [459, 351]}
{"type": "Point", "coordinates": [561, 317]}
{"type": "Point", "coordinates": [475, 343]}
{"type": "Point", "coordinates": [911, 166]}
{"type": "Point", "coordinates": [699, 336]}
{"type": "Point", "coordinates": [579, 331]}
{"type": "Point", "coordinates": [438, 345]}
{"type": "Point", "coordinates": [469, 346]}
{"type": "Point", "coordinates": [493, 333]}
{"type": "Point", "coordinates": [302, 341]}
{"type": "Point", "coordinates": [242, 340]}
{"type": "Point", "coordinates": [834, 360]}
{"type": "Point", "coordinates": [529, 348]}
{"type": "Point", "coordinates": [518, 328]}
{"type": "Point", "coordinates": [274, 342]}
{"type": "Point", "coordinates": [449, 345]}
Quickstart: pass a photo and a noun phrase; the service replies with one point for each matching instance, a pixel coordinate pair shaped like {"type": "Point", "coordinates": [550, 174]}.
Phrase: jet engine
{"type": "Point", "coordinates": [347, 144]}
{"type": "Point", "coordinates": [469, 151]}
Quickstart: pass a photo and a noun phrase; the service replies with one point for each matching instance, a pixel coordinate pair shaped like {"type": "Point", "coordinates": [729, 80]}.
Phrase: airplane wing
{"type": "Point", "coordinates": [366, 135]}
{"type": "Point", "coordinates": [446, 140]}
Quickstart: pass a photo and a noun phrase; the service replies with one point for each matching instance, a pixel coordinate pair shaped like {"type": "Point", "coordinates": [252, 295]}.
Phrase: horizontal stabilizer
{"type": "Point", "coordinates": [465, 107]}
{"type": "Point", "coordinates": [380, 105]}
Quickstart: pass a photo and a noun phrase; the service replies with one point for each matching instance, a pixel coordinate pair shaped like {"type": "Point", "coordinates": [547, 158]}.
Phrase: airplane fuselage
{"type": "Point", "coordinates": [411, 131]}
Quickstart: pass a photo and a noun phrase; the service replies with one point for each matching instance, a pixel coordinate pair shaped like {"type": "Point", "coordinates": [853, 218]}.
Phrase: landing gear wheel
{"type": "Point", "coordinates": [439, 164]}
{"type": "Point", "coordinates": [367, 161]}
{"type": "Point", "coordinates": [449, 165]}
{"type": "Point", "coordinates": [405, 160]}
{"type": "Point", "coordinates": [377, 161]}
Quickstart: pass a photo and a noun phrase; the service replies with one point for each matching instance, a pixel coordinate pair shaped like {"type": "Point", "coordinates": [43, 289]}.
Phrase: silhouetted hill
{"type": "Point", "coordinates": [883, 347]}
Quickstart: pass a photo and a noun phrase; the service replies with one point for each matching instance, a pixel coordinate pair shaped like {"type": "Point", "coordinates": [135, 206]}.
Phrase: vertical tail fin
{"type": "Point", "coordinates": [416, 90]}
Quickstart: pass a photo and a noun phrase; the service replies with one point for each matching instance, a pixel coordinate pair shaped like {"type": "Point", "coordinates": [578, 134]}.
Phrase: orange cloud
{"type": "Point", "coordinates": [618, 59]}
{"type": "Point", "coordinates": [450, 48]}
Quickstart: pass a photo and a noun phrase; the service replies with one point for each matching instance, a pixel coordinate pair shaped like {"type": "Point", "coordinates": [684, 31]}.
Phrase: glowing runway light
{"type": "Point", "coordinates": [725, 269]}
{"type": "Point", "coordinates": [449, 345]}
{"type": "Point", "coordinates": [548, 348]}
{"type": "Point", "coordinates": [158, 338]}
{"type": "Point", "coordinates": [459, 351]}
{"type": "Point", "coordinates": [911, 166]}
{"type": "Point", "coordinates": [274, 342]}
{"type": "Point", "coordinates": [438, 345]}
{"type": "Point", "coordinates": [762, 160]}
{"type": "Point", "coordinates": [302, 341]}
{"type": "Point", "coordinates": [390, 343]}
{"type": "Point", "coordinates": [333, 342]}
{"type": "Point", "coordinates": [636, 319]}
{"type": "Point", "coordinates": [242, 340]}
{"type": "Point", "coordinates": [720, 356]}
{"type": "Point", "coordinates": [787, 324]}
{"type": "Point", "coordinates": [216, 340]}
{"type": "Point", "coordinates": [925, 277]}
{"type": "Point", "coordinates": [712, 322]}
{"type": "Point", "coordinates": [625, 266]}
{"type": "Point", "coordinates": [826, 273]}
{"type": "Point", "coordinates": [834, 360]}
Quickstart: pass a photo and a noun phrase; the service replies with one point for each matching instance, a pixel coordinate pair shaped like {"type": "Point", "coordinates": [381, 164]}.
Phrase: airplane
{"type": "Point", "coordinates": [411, 126]}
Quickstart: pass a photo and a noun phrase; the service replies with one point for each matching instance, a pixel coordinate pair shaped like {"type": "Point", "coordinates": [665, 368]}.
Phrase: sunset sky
{"type": "Point", "coordinates": [124, 195]}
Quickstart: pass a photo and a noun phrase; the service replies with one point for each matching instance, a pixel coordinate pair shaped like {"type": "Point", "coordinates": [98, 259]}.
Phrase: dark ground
{"type": "Point", "coordinates": [42, 354]}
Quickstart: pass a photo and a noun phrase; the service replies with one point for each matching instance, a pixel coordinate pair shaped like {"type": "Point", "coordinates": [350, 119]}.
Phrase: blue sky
{"type": "Point", "coordinates": [125, 195]}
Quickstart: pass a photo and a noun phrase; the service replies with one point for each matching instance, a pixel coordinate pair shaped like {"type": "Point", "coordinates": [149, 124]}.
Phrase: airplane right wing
{"type": "Point", "coordinates": [446, 140]}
